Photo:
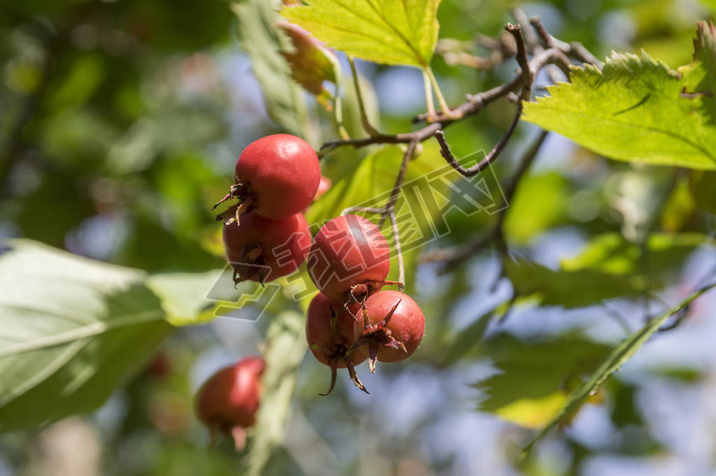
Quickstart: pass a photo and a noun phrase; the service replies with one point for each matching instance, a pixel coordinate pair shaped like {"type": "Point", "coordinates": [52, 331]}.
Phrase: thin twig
{"type": "Point", "coordinates": [522, 81]}
{"type": "Point", "coordinates": [488, 159]}
{"type": "Point", "coordinates": [526, 77]}
{"type": "Point", "coordinates": [388, 211]}
{"type": "Point", "coordinates": [563, 62]}
{"type": "Point", "coordinates": [521, 58]}
{"type": "Point", "coordinates": [398, 249]}
{"type": "Point", "coordinates": [453, 256]}
{"type": "Point", "coordinates": [575, 50]}
{"type": "Point", "coordinates": [474, 104]}
{"type": "Point", "coordinates": [390, 206]}
{"type": "Point", "coordinates": [533, 42]}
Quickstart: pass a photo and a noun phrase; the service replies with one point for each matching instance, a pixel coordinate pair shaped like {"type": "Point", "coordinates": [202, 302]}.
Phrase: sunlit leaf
{"type": "Point", "coordinates": [72, 331]}
{"type": "Point", "coordinates": [613, 254]}
{"type": "Point", "coordinates": [383, 31]}
{"type": "Point", "coordinates": [184, 296]}
{"type": "Point", "coordinates": [636, 109]}
{"type": "Point", "coordinates": [700, 75]}
{"type": "Point", "coordinates": [539, 204]}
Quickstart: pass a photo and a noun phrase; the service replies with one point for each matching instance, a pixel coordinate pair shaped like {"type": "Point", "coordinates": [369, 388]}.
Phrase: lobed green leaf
{"type": "Point", "coordinates": [382, 31]}
{"type": "Point", "coordinates": [638, 109]}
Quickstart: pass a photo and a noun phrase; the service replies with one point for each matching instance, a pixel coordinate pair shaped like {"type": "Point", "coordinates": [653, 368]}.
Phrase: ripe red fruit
{"type": "Point", "coordinates": [276, 176]}
{"type": "Point", "coordinates": [348, 251]}
{"type": "Point", "coordinates": [228, 401]}
{"type": "Point", "coordinates": [323, 187]}
{"type": "Point", "coordinates": [331, 332]}
{"type": "Point", "coordinates": [394, 325]}
{"type": "Point", "coordinates": [262, 250]}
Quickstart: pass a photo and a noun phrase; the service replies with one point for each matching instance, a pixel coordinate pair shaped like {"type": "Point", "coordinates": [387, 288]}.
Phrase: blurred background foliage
{"type": "Point", "coordinates": [121, 121]}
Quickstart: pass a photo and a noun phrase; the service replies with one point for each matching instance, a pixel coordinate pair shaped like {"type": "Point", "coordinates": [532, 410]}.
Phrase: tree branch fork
{"type": "Point", "coordinates": [545, 51]}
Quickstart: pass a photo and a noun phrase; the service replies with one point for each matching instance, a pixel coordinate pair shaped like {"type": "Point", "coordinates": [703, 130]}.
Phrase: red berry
{"type": "Point", "coordinates": [331, 332]}
{"type": "Point", "coordinates": [323, 187]}
{"type": "Point", "coordinates": [229, 399]}
{"type": "Point", "coordinates": [394, 326]}
{"type": "Point", "coordinates": [159, 367]}
{"type": "Point", "coordinates": [279, 173]}
{"type": "Point", "coordinates": [348, 251]}
{"type": "Point", "coordinates": [262, 250]}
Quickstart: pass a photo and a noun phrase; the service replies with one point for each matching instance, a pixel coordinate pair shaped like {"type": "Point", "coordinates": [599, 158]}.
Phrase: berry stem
{"type": "Point", "coordinates": [428, 96]}
{"type": "Point", "coordinates": [214, 432]}
{"type": "Point", "coordinates": [447, 112]}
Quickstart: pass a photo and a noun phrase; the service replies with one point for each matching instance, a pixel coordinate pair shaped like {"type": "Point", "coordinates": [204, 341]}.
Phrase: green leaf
{"type": "Point", "coordinates": [613, 362]}
{"type": "Point", "coordinates": [633, 110]}
{"type": "Point", "coordinates": [608, 267]}
{"type": "Point", "coordinates": [679, 207]}
{"type": "Point", "coordinates": [351, 108]}
{"type": "Point", "coordinates": [184, 296]}
{"type": "Point", "coordinates": [72, 331]}
{"type": "Point", "coordinates": [263, 41]}
{"type": "Point", "coordinates": [539, 204]}
{"type": "Point", "coordinates": [535, 378]}
{"type": "Point", "coordinates": [311, 63]}
{"type": "Point", "coordinates": [700, 75]}
{"type": "Point", "coordinates": [611, 253]}
{"type": "Point", "coordinates": [383, 31]}
{"type": "Point", "coordinates": [569, 289]}
{"type": "Point", "coordinates": [468, 338]}
{"type": "Point", "coordinates": [703, 185]}
{"type": "Point", "coordinates": [285, 348]}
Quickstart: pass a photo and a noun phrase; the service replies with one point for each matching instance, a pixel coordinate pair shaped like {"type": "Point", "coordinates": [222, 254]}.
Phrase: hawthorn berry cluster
{"type": "Point", "coordinates": [352, 319]}
{"type": "Point", "coordinates": [266, 236]}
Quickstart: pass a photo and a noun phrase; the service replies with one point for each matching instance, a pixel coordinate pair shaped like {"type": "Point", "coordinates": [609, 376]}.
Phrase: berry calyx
{"type": "Point", "coordinates": [348, 251]}
{"type": "Point", "coordinates": [276, 176]}
{"type": "Point", "coordinates": [331, 333]}
{"type": "Point", "coordinates": [228, 401]}
{"type": "Point", "coordinates": [393, 325]}
{"type": "Point", "coordinates": [262, 250]}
